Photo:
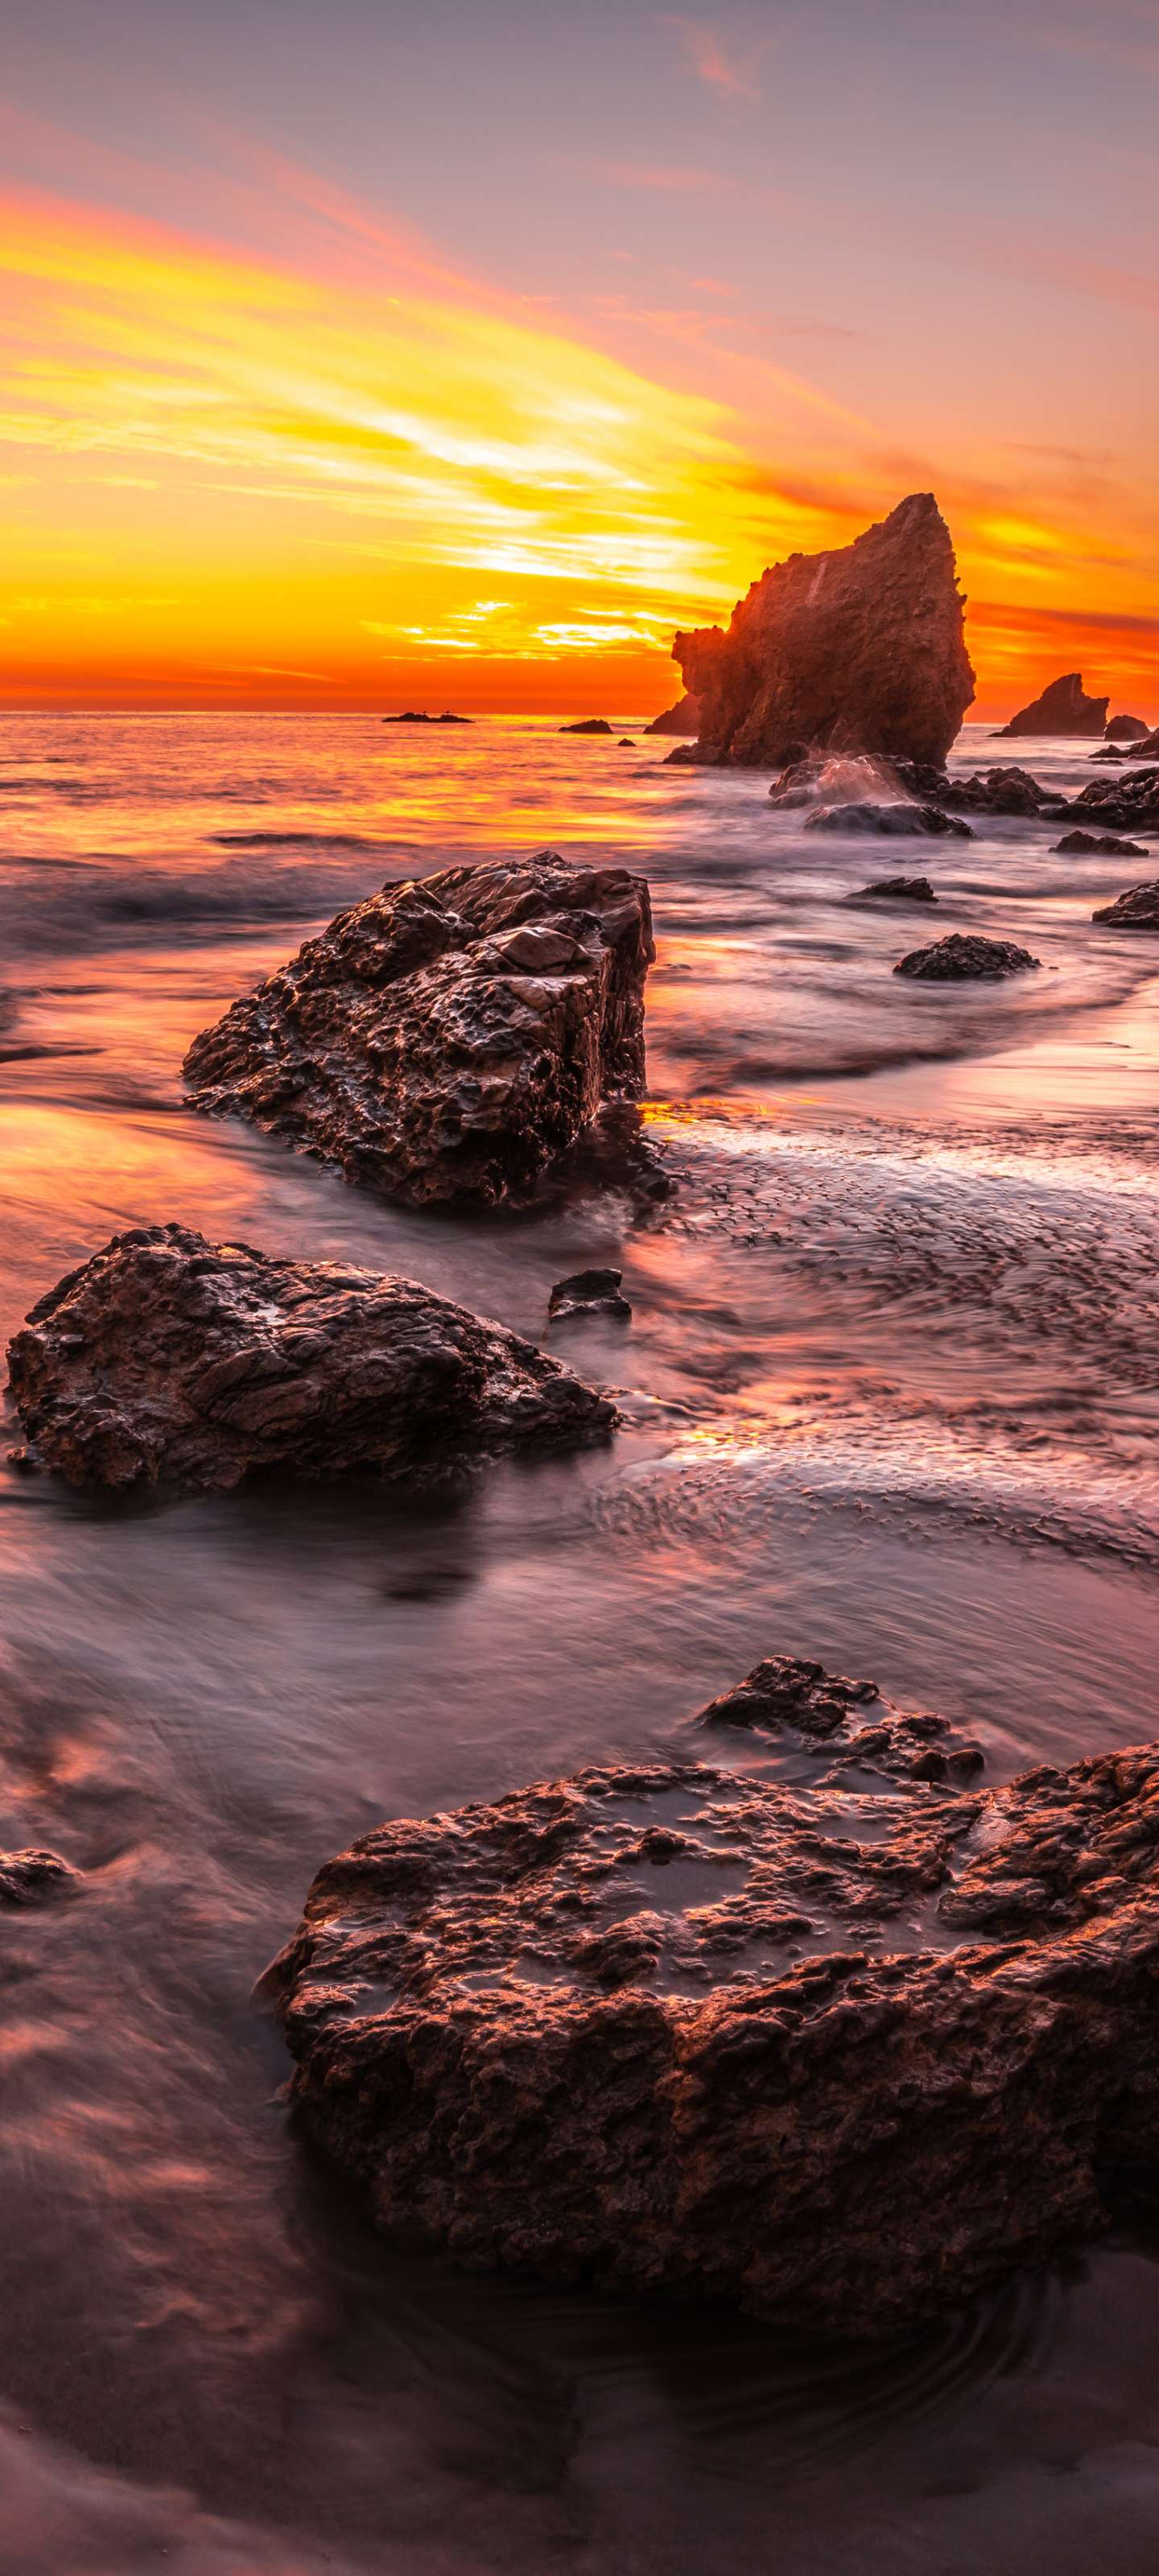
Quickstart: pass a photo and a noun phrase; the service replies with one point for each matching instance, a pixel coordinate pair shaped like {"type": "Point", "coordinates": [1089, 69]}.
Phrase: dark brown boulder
{"type": "Point", "coordinates": [449, 1036]}
{"type": "Point", "coordinates": [857, 650]}
{"type": "Point", "coordinates": [1138, 909]}
{"type": "Point", "coordinates": [898, 889]}
{"type": "Point", "coordinates": [849, 2051]}
{"type": "Point", "coordinates": [170, 1361]}
{"type": "Point", "coordinates": [35, 1877]}
{"type": "Point", "coordinates": [590, 724]}
{"type": "Point", "coordinates": [962, 958]}
{"type": "Point", "coordinates": [684, 718]}
{"type": "Point", "coordinates": [1001, 791]}
{"type": "Point", "coordinates": [1088, 845]}
{"type": "Point", "coordinates": [1123, 804]}
{"type": "Point", "coordinates": [588, 1292]}
{"type": "Point", "coordinates": [1146, 749]}
{"type": "Point", "coordinates": [1063, 708]}
{"type": "Point", "coordinates": [897, 822]}
{"type": "Point", "coordinates": [1126, 729]}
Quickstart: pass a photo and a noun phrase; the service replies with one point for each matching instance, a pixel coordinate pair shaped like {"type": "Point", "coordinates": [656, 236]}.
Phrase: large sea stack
{"type": "Point", "coordinates": [1063, 708]}
{"type": "Point", "coordinates": [449, 1036]}
{"type": "Point", "coordinates": [849, 2053]}
{"type": "Point", "coordinates": [857, 650]}
{"type": "Point", "coordinates": [173, 1362]}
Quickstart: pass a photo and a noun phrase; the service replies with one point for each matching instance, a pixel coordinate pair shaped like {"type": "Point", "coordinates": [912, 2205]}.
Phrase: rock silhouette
{"type": "Point", "coordinates": [170, 1361]}
{"type": "Point", "coordinates": [450, 1035]}
{"type": "Point", "coordinates": [965, 957]}
{"type": "Point", "coordinates": [1063, 708]}
{"type": "Point", "coordinates": [857, 650]}
{"type": "Point", "coordinates": [1126, 729]}
{"type": "Point", "coordinates": [654, 2025]}
{"type": "Point", "coordinates": [591, 724]}
{"type": "Point", "coordinates": [684, 718]}
{"type": "Point", "coordinates": [899, 890]}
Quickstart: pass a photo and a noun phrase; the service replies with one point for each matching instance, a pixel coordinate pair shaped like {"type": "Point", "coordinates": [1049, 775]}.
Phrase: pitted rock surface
{"type": "Point", "coordinates": [449, 1036]}
{"type": "Point", "coordinates": [1122, 804]}
{"type": "Point", "coordinates": [1138, 909]}
{"type": "Point", "coordinates": [1001, 791]}
{"type": "Point", "coordinates": [857, 650]}
{"type": "Point", "coordinates": [167, 1360]}
{"type": "Point", "coordinates": [905, 822]}
{"type": "Point", "coordinates": [562, 2031]}
{"type": "Point", "coordinates": [588, 1292]}
{"type": "Point", "coordinates": [34, 1877]}
{"type": "Point", "coordinates": [784, 1695]}
{"type": "Point", "coordinates": [965, 957]}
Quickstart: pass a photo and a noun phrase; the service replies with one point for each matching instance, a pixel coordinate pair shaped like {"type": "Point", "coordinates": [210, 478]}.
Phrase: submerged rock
{"type": "Point", "coordinates": [965, 956]}
{"type": "Point", "coordinates": [898, 889]}
{"type": "Point", "coordinates": [1063, 708]}
{"type": "Point", "coordinates": [34, 1877]}
{"type": "Point", "coordinates": [860, 650]}
{"type": "Point", "coordinates": [684, 718]}
{"type": "Point", "coordinates": [1126, 729]}
{"type": "Point", "coordinates": [588, 1292]}
{"type": "Point", "coordinates": [1138, 909]}
{"type": "Point", "coordinates": [591, 724]}
{"type": "Point", "coordinates": [900, 822]}
{"type": "Point", "coordinates": [1087, 844]}
{"type": "Point", "coordinates": [847, 2053]}
{"type": "Point", "coordinates": [450, 1035]}
{"type": "Point", "coordinates": [167, 1360]}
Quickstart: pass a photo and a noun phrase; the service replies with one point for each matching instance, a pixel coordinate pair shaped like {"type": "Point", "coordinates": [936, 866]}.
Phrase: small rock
{"type": "Point", "coordinates": [1126, 729]}
{"type": "Point", "coordinates": [1138, 909]}
{"type": "Point", "coordinates": [899, 890]}
{"type": "Point", "coordinates": [625, 743]}
{"type": "Point", "coordinates": [960, 957]}
{"type": "Point", "coordinates": [33, 1877]}
{"type": "Point", "coordinates": [591, 724]}
{"type": "Point", "coordinates": [588, 1292]}
{"type": "Point", "coordinates": [1086, 845]}
{"type": "Point", "coordinates": [899, 821]}
{"type": "Point", "coordinates": [173, 1362]}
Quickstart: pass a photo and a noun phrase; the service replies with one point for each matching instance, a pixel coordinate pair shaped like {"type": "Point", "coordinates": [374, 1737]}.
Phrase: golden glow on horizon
{"type": "Point", "coordinates": [232, 481]}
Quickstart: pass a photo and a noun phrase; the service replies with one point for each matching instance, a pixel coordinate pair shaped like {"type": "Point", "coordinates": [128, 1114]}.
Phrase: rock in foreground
{"type": "Point", "coordinates": [1087, 845]}
{"type": "Point", "coordinates": [904, 822]}
{"type": "Point", "coordinates": [850, 2052]}
{"type": "Point", "coordinates": [35, 1877]}
{"type": "Point", "coordinates": [1138, 909]}
{"type": "Point", "coordinates": [898, 890]}
{"type": "Point", "coordinates": [447, 1037]}
{"type": "Point", "coordinates": [963, 957]}
{"type": "Point", "coordinates": [1063, 708]}
{"type": "Point", "coordinates": [167, 1360]}
{"type": "Point", "coordinates": [588, 1292]}
{"type": "Point", "coordinates": [857, 650]}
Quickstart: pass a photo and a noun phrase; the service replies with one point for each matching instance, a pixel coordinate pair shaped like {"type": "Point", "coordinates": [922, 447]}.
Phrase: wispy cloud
{"type": "Point", "coordinates": [707, 55]}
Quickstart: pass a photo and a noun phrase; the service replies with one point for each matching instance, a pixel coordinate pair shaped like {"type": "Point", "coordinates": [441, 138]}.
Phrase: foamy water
{"type": "Point", "coordinates": [890, 1389]}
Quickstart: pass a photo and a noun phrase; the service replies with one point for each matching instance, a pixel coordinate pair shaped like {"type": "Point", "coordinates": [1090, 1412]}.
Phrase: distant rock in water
{"type": "Point", "coordinates": [960, 958]}
{"type": "Point", "coordinates": [411, 717]}
{"type": "Point", "coordinates": [35, 1877]}
{"type": "Point", "coordinates": [588, 1292]}
{"type": "Point", "coordinates": [1146, 749]}
{"type": "Point", "coordinates": [1126, 729]}
{"type": "Point", "coordinates": [625, 743]}
{"type": "Point", "coordinates": [899, 890]}
{"type": "Point", "coordinates": [1063, 708]}
{"type": "Point", "coordinates": [684, 718]}
{"type": "Point", "coordinates": [1087, 845]}
{"type": "Point", "coordinates": [170, 1361]}
{"type": "Point", "coordinates": [450, 1035]}
{"type": "Point", "coordinates": [1138, 909]}
{"type": "Point", "coordinates": [857, 650]}
{"type": "Point", "coordinates": [1001, 791]}
{"type": "Point", "coordinates": [654, 2025]}
{"type": "Point", "coordinates": [591, 724]}
{"type": "Point", "coordinates": [905, 822]}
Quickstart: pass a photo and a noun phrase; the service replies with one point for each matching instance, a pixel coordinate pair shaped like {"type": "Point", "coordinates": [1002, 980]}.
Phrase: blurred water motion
{"type": "Point", "coordinates": [890, 1392]}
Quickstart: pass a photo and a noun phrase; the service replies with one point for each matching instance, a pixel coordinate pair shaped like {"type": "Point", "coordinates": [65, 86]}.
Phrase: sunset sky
{"type": "Point", "coordinates": [372, 356]}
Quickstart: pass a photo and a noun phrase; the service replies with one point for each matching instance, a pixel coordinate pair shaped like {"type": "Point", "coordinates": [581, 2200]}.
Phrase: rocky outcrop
{"type": "Point", "coordinates": [898, 822]}
{"type": "Point", "coordinates": [588, 1292]}
{"type": "Point", "coordinates": [1001, 791]}
{"type": "Point", "coordinates": [1146, 749]}
{"type": "Point", "coordinates": [849, 2052]}
{"type": "Point", "coordinates": [1122, 804]}
{"type": "Point", "coordinates": [684, 718]}
{"type": "Point", "coordinates": [1138, 909]}
{"type": "Point", "coordinates": [35, 1877]}
{"type": "Point", "coordinates": [857, 650]}
{"type": "Point", "coordinates": [1126, 729]}
{"type": "Point", "coordinates": [447, 1037]}
{"type": "Point", "coordinates": [170, 1361]}
{"type": "Point", "coordinates": [962, 958]}
{"type": "Point", "coordinates": [420, 716]}
{"type": "Point", "coordinates": [590, 724]}
{"type": "Point", "coordinates": [802, 1703]}
{"type": "Point", "coordinates": [1063, 708]}
{"type": "Point", "coordinates": [1088, 845]}
{"type": "Point", "coordinates": [898, 890]}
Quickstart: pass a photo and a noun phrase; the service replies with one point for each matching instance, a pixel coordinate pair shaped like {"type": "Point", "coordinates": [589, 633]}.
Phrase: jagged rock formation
{"type": "Point", "coordinates": [447, 1037]}
{"type": "Point", "coordinates": [1146, 749]}
{"type": "Point", "coordinates": [849, 2053]}
{"type": "Point", "coordinates": [420, 716]}
{"type": "Point", "coordinates": [590, 724]}
{"type": "Point", "coordinates": [33, 1877]}
{"type": "Point", "coordinates": [684, 718]}
{"type": "Point", "coordinates": [899, 822]}
{"type": "Point", "coordinates": [1138, 909]}
{"type": "Point", "coordinates": [785, 1696]}
{"type": "Point", "coordinates": [961, 958]}
{"type": "Point", "coordinates": [1064, 707]}
{"type": "Point", "coordinates": [898, 889]}
{"type": "Point", "coordinates": [856, 650]}
{"type": "Point", "coordinates": [1122, 804]}
{"type": "Point", "coordinates": [167, 1360]}
{"type": "Point", "coordinates": [1001, 791]}
{"type": "Point", "coordinates": [1088, 844]}
{"type": "Point", "coordinates": [588, 1292]}
{"type": "Point", "coordinates": [1126, 729]}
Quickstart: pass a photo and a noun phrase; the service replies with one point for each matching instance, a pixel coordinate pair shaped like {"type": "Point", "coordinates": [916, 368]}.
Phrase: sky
{"type": "Point", "coordinates": [455, 355]}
